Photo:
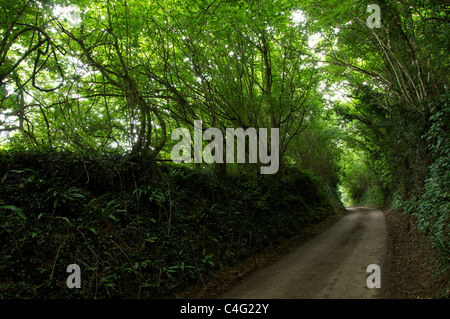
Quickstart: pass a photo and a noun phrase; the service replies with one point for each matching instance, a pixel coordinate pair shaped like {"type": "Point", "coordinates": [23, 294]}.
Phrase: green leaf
{"type": "Point", "coordinates": [17, 210]}
{"type": "Point", "coordinates": [64, 218]}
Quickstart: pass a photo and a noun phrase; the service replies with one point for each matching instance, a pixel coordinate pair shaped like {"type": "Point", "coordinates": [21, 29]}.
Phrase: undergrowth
{"type": "Point", "coordinates": [137, 229]}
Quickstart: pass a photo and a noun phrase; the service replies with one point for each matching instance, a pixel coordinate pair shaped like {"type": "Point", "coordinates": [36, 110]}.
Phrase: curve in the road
{"type": "Point", "coordinates": [332, 265]}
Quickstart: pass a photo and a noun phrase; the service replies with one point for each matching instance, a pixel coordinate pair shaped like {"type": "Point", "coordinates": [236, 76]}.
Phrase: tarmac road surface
{"type": "Point", "coordinates": [332, 265]}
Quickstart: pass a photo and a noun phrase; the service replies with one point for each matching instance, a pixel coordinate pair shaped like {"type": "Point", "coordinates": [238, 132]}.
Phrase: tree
{"type": "Point", "coordinates": [394, 73]}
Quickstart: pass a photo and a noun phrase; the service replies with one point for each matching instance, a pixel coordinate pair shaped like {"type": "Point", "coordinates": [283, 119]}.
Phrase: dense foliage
{"type": "Point", "coordinates": [138, 229]}
{"type": "Point", "coordinates": [91, 91]}
{"type": "Point", "coordinates": [396, 78]}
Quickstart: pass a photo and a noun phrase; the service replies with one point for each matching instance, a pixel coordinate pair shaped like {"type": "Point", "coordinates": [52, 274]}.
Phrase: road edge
{"type": "Point", "coordinates": [410, 264]}
{"type": "Point", "coordinates": [231, 276]}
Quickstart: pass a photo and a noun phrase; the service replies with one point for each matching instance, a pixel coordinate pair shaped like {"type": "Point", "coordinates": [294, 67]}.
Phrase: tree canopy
{"type": "Point", "coordinates": [363, 106]}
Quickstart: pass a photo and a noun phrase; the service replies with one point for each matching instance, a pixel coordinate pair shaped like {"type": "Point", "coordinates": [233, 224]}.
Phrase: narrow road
{"type": "Point", "coordinates": [332, 265]}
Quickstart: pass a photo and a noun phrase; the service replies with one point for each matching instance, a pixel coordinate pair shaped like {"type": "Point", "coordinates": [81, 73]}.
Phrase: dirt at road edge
{"type": "Point", "coordinates": [411, 261]}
